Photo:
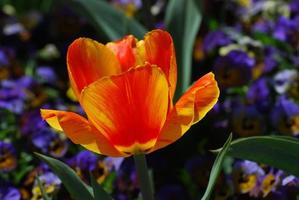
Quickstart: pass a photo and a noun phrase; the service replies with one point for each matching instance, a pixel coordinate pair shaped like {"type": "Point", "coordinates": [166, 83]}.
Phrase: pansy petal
{"type": "Point", "coordinates": [129, 109]}
{"type": "Point", "coordinates": [124, 51]}
{"type": "Point", "coordinates": [80, 131]}
{"type": "Point", "coordinates": [159, 50]}
{"type": "Point", "coordinates": [88, 61]}
{"type": "Point", "coordinates": [190, 108]}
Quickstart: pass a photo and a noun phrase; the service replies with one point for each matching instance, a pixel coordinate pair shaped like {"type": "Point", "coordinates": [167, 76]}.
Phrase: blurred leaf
{"type": "Point", "coordinates": [188, 182]}
{"type": "Point", "coordinates": [107, 20]}
{"type": "Point", "coordinates": [267, 39]}
{"type": "Point", "coordinates": [108, 182]}
{"type": "Point", "coordinates": [8, 127]}
{"type": "Point", "coordinates": [22, 7]}
{"type": "Point", "coordinates": [74, 185]}
{"type": "Point", "coordinates": [52, 93]}
{"type": "Point", "coordinates": [276, 151]}
{"type": "Point", "coordinates": [182, 20]}
{"type": "Point", "coordinates": [217, 166]}
{"type": "Point", "coordinates": [42, 189]}
{"type": "Point", "coordinates": [99, 192]}
{"type": "Point", "coordinates": [213, 24]}
{"type": "Point", "coordinates": [24, 167]}
{"type": "Point", "coordinates": [30, 66]}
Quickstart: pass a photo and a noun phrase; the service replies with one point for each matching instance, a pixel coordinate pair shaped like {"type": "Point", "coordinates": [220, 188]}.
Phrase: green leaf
{"type": "Point", "coordinates": [74, 185]}
{"type": "Point", "coordinates": [268, 40]}
{"type": "Point", "coordinates": [21, 7]}
{"type": "Point", "coordinates": [217, 166]}
{"type": "Point", "coordinates": [107, 20]}
{"type": "Point", "coordinates": [278, 151]}
{"type": "Point", "coordinates": [108, 182]}
{"type": "Point", "coordinates": [99, 192]}
{"type": "Point", "coordinates": [182, 20]}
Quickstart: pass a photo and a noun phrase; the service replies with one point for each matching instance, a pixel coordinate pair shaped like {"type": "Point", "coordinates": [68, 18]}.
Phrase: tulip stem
{"type": "Point", "coordinates": [146, 186]}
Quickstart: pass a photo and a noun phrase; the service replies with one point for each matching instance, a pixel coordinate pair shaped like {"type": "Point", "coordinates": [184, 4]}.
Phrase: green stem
{"type": "Point", "coordinates": [143, 177]}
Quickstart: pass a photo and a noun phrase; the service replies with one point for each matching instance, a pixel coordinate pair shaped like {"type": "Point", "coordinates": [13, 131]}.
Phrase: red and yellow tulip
{"type": "Point", "coordinates": [126, 89]}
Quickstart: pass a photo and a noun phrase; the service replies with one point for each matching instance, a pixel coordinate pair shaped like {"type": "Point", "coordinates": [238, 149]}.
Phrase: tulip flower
{"type": "Point", "coordinates": [126, 89]}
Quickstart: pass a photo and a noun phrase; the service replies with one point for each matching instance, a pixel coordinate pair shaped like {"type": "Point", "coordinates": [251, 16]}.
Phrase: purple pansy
{"type": "Point", "coordinates": [234, 69]}
{"type": "Point", "coordinates": [214, 40]}
{"type": "Point", "coordinates": [285, 116]}
{"type": "Point", "coordinates": [49, 142]}
{"type": "Point", "coordinates": [8, 192]}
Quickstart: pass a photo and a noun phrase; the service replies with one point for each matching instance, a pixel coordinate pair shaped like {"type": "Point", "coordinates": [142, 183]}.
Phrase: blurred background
{"type": "Point", "coordinates": [251, 45]}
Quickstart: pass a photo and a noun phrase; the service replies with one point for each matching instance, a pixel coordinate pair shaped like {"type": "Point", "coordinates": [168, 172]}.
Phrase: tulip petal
{"type": "Point", "coordinates": [129, 109]}
{"type": "Point", "coordinates": [159, 50]}
{"type": "Point", "coordinates": [189, 109]}
{"type": "Point", "coordinates": [124, 51]}
{"type": "Point", "coordinates": [88, 61]}
{"type": "Point", "coordinates": [80, 131]}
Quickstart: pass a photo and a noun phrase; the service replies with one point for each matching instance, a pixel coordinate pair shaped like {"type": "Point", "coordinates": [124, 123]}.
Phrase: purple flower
{"type": "Point", "coordinates": [263, 26]}
{"type": "Point", "coordinates": [50, 183]}
{"type": "Point", "coordinates": [128, 6]}
{"type": "Point", "coordinates": [247, 121]}
{"type": "Point", "coordinates": [287, 30]}
{"type": "Point", "coordinates": [283, 80]}
{"type": "Point", "coordinates": [270, 55]}
{"type": "Point", "coordinates": [295, 61]}
{"type": "Point", "coordinates": [14, 93]}
{"type": "Point", "coordinates": [282, 29]}
{"type": "Point", "coordinates": [270, 182]}
{"type": "Point", "coordinates": [8, 159]}
{"type": "Point", "coordinates": [29, 118]}
{"type": "Point", "coordinates": [6, 55]}
{"type": "Point", "coordinates": [234, 69]}
{"type": "Point", "coordinates": [136, 3]}
{"type": "Point", "coordinates": [8, 192]}
{"type": "Point", "coordinates": [15, 106]}
{"type": "Point", "coordinates": [285, 116]}
{"type": "Point", "coordinates": [214, 40]}
{"type": "Point", "coordinates": [290, 186]}
{"type": "Point", "coordinates": [160, 25]}
{"type": "Point", "coordinates": [3, 59]}
{"type": "Point", "coordinates": [50, 143]}
{"type": "Point", "coordinates": [49, 178]}
{"type": "Point", "coordinates": [246, 176]}
{"type": "Point", "coordinates": [290, 180]}
{"type": "Point", "coordinates": [259, 94]}
{"type": "Point", "coordinates": [84, 160]}
{"type": "Point", "coordinates": [126, 180]}
{"type": "Point", "coordinates": [46, 74]}
{"type": "Point", "coordinates": [294, 6]}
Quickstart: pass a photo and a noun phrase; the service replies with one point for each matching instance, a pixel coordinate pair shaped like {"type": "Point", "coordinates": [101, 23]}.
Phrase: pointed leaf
{"type": "Point", "coordinates": [182, 20]}
{"type": "Point", "coordinates": [74, 185]}
{"type": "Point", "coordinates": [99, 192]}
{"type": "Point", "coordinates": [217, 166]}
{"type": "Point", "coordinates": [107, 20]}
{"type": "Point", "coordinates": [277, 151]}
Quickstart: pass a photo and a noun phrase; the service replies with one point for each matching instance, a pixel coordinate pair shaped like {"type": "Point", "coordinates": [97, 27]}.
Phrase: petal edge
{"type": "Point", "coordinates": [80, 131]}
{"type": "Point", "coordinates": [190, 108]}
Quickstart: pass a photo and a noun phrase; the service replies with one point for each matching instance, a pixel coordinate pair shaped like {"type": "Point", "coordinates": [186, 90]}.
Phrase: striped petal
{"type": "Point", "coordinates": [129, 109]}
{"type": "Point", "coordinates": [190, 108]}
{"type": "Point", "coordinates": [159, 50]}
{"type": "Point", "coordinates": [80, 131]}
{"type": "Point", "coordinates": [124, 50]}
{"type": "Point", "coordinates": [88, 61]}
